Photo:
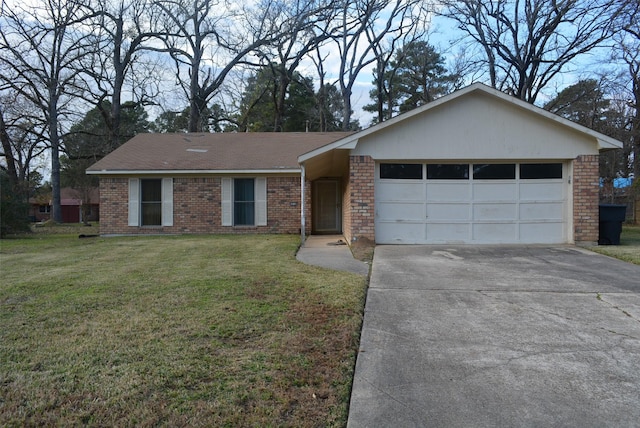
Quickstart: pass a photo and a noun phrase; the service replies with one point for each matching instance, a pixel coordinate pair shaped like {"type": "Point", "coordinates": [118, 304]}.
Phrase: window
{"type": "Point", "coordinates": [44, 209]}
{"type": "Point", "coordinates": [401, 171]}
{"type": "Point", "coordinates": [151, 202]}
{"type": "Point", "coordinates": [447, 171]}
{"type": "Point", "coordinates": [494, 171]}
{"type": "Point", "coordinates": [539, 171]}
{"type": "Point", "coordinates": [243, 202]}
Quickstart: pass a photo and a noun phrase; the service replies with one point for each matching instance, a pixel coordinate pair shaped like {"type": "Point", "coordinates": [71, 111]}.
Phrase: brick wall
{"type": "Point", "coordinates": [307, 208]}
{"type": "Point", "coordinates": [361, 198]}
{"type": "Point", "coordinates": [197, 207]}
{"type": "Point", "coordinates": [585, 199]}
{"type": "Point", "coordinates": [346, 207]}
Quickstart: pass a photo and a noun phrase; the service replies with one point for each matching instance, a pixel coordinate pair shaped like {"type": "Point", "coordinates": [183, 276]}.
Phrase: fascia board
{"type": "Point", "coordinates": [199, 171]}
{"type": "Point", "coordinates": [347, 143]}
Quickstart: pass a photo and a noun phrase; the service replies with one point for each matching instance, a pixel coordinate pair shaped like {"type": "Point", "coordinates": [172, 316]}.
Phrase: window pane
{"type": "Point", "coordinates": [151, 202]}
{"type": "Point", "coordinates": [243, 202]}
{"type": "Point", "coordinates": [537, 171]}
{"type": "Point", "coordinates": [243, 189]}
{"type": "Point", "coordinates": [494, 171]}
{"type": "Point", "coordinates": [151, 190]}
{"type": "Point", "coordinates": [401, 171]}
{"type": "Point", "coordinates": [445, 171]}
{"type": "Point", "coordinates": [151, 214]}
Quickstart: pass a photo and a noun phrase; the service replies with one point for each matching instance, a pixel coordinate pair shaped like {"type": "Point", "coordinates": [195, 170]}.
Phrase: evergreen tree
{"type": "Point", "coordinates": [258, 110]}
{"type": "Point", "coordinates": [415, 76]}
{"type": "Point", "coordinates": [587, 104]}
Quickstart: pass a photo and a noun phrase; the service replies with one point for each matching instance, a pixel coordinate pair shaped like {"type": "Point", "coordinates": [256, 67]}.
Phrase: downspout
{"type": "Point", "coordinates": [303, 223]}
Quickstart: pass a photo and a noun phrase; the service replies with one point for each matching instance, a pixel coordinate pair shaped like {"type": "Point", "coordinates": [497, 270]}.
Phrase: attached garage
{"type": "Point", "coordinates": [474, 167]}
{"type": "Point", "coordinates": [428, 203]}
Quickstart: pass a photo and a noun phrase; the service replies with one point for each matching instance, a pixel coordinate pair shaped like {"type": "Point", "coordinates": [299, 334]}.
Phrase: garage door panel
{"type": "Point", "coordinates": [530, 233]}
{"type": "Point", "coordinates": [494, 191]}
{"type": "Point", "coordinates": [542, 211]}
{"type": "Point", "coordinates": [401, 191]}
{"type": "Point", "coordinates": [400, 233]}
{"type": "Point", "coordinates": [495, 232]}
{"type": "Point", "coordinates": [537, 191]}
{"type": "Point", "coordinates": [448, 211]}
{"type": "Point", "coordinates": [495, 211]}
{"type": "Point", "coordinates": [395, 211]}
{"type": "Point", "coordinates": [448, 192]}
{"type": "Point", "coordinates": [448, 232]}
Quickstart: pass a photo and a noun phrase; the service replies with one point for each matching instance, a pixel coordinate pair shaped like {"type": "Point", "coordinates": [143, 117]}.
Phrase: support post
{"type": "Point", "coordinates": [303, 222]}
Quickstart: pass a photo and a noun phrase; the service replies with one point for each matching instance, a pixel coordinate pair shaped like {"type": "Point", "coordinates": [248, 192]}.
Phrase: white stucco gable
{"type": "Point", "coordinates": [476, 122]}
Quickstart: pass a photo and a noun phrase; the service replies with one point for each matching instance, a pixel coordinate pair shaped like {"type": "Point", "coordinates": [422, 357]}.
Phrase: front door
{"type": "Point", "coordinates": [327, 212]}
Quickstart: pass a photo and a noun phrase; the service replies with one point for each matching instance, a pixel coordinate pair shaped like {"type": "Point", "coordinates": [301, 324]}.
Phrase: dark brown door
{"type": "Point", "coordinates": [327, 209]}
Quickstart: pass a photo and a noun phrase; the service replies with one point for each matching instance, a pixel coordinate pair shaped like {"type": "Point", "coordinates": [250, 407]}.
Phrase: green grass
{"type": "Point", "coordinates": [189, 330]}
{"type": "Point", "coordinates": [629, 248]}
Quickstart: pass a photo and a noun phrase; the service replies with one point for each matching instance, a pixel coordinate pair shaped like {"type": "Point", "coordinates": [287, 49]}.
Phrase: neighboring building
{"type": "Point", "coordinates": [73, 208]}
{"type": "Point", "coordinates": [476, 166]}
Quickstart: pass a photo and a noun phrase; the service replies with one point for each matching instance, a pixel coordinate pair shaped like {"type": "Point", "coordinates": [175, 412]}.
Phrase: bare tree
{"type": "Point", "coordinates": [121, 31]}
{"type": "Point", "coordinates": [363, 26]}
{"type": "Point", "coordinates": [39, 47]}
{"type": "Point", "coordinates": [284, 55]}
{"type": "Point", "coordinates": [208, 38]}
{"type": "Point", "coordinates": [628, 49]}
{"type": "Point", "coordinates": [527, 43]}
{"type": "Point", "coordinates": [22, 139]}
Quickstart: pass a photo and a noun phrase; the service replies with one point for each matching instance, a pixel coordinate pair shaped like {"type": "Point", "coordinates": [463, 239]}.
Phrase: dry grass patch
{"type": "Point", "coordinates": [200, 330]}
{"type": "Point", "coordinates": [363, 249]}
{"type": "Point", "coordinates": [629, 248]}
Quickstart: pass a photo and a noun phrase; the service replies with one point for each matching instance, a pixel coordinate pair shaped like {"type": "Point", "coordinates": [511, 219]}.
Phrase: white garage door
{"type": "Point", "coordinates": [480, 203]}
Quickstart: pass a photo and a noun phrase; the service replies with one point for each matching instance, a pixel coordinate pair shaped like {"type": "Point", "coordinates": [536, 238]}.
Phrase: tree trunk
{"type": "Point", "coordinates": [8, 152]}
{"type": "Point", "coordinates": [281, 96]}
{"type": "Point", "coordinates": [346, 108]}
{"type": "Point", "coordinates": [116, 100]}
{"type": "Point", "coordinates": [636, 131]}
{"type": "Point", "coordinates": [56, 202]}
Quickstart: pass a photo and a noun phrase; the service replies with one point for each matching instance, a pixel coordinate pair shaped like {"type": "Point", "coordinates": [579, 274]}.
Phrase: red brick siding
{"type": "Point", "coordinates": [197, 207]}
{"type": "Point", "coordinates": [346, 208]}
{"type": "Point", "coordinates": [361, 198]}
{"type": "Point", "coordinates": [585, 199]}
{"type": "Point", "coordinates": [114, 205]}
{"type": "Point", "coordinates": [307, 208]}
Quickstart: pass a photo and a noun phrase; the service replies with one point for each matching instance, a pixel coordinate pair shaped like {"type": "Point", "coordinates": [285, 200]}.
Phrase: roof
{"type": "Point", "coordinates": [68, 196]}
{"type": "Point", "coordinates": [266, 152]}
{"type": "Point", "coordinates": [351, 141]}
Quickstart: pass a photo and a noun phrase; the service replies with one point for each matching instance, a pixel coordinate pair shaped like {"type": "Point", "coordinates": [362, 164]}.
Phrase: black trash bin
{"type": "Point", "coordinates": [611, 219]}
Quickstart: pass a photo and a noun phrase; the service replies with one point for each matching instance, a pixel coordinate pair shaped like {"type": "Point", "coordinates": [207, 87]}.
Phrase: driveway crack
{"type": "Point", "coordinates": [527, 308]}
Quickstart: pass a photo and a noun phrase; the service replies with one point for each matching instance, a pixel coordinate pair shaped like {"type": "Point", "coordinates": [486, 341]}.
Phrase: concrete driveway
{"type": "Point", "coordinates": [498, 336]}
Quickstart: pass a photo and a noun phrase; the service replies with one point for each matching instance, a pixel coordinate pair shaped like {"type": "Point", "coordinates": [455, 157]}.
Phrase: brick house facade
{"type": "Point", "coordinates": [197, 208]}
{"type": "Point", "coordinates": [252, 182]}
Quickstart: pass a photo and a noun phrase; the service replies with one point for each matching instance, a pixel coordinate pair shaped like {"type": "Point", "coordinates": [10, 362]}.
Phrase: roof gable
{"type": "Point", "coordinates": [457, 107]}
{"type": "Point", "coordinates": [205, 152]}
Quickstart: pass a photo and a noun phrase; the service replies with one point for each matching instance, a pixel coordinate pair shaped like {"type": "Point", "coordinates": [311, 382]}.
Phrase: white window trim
{"type": "Point", "coordinates": [134, 202]}
{"type": "Point", "coordinates": [260, 200]}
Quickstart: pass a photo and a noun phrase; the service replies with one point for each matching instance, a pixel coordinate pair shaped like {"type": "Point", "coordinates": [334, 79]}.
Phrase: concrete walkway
{"type": "Point", "coordinates": [331, 252]}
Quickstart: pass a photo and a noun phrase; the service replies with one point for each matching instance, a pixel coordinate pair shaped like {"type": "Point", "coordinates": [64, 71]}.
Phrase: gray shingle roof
{"type": "Point", "coordinates": [213, 152]}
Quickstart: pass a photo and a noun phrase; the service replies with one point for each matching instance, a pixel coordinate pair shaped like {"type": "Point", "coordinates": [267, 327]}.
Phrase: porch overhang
{"type": "Point", "coordinates": [331, 163]}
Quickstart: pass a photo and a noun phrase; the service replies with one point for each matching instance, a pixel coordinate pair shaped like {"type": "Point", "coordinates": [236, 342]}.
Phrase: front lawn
{"type": "Point", "coordinates": [629, 248]}
{"type": "Point", "coordinates": [176, 331]}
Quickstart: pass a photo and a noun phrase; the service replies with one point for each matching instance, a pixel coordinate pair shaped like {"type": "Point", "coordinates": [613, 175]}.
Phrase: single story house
{"type": "Point", "coordinates": [476, 166]}
{"type": "Point", "coordinates": [77, 205]}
